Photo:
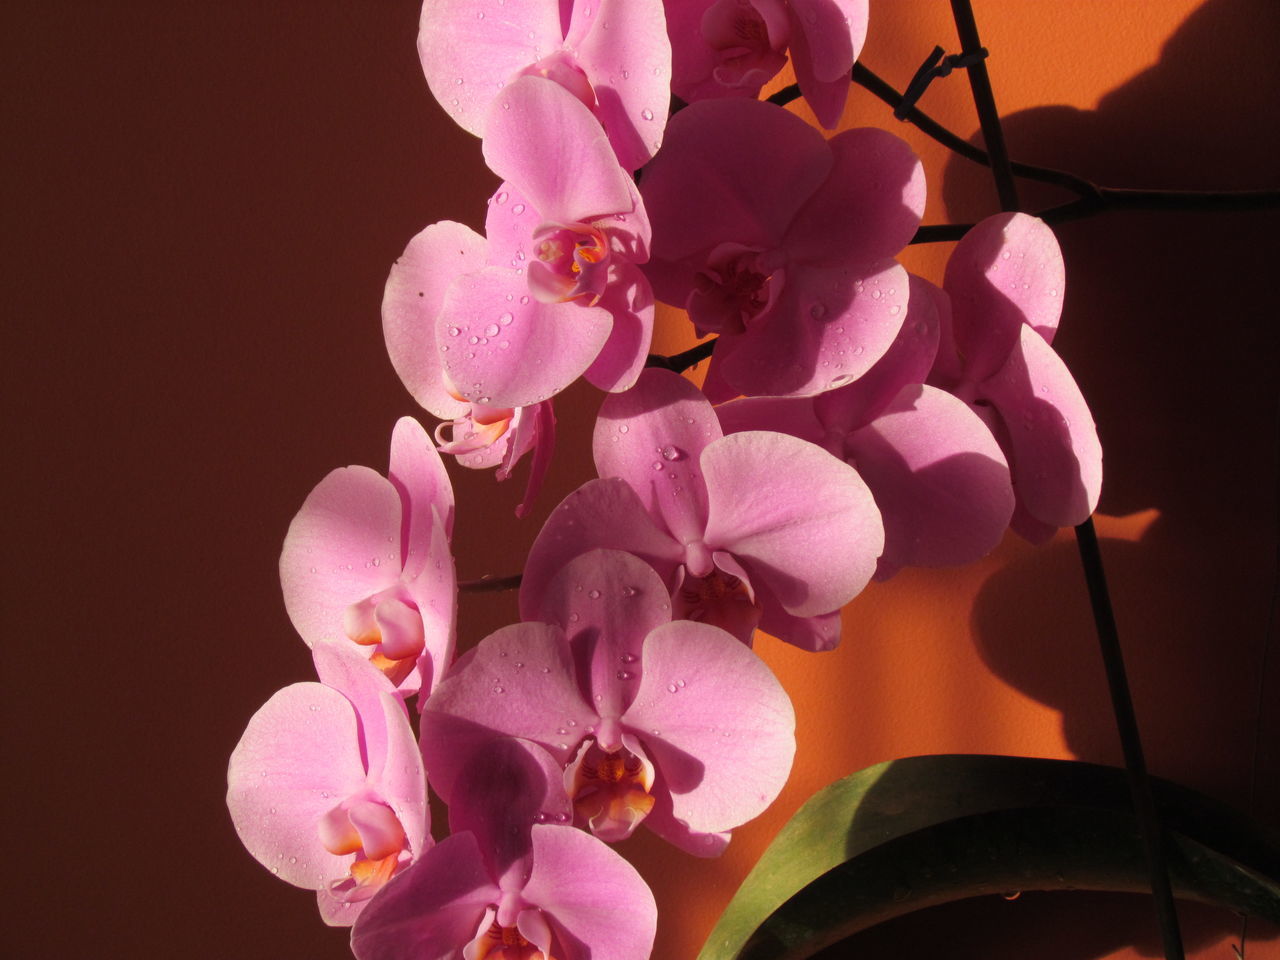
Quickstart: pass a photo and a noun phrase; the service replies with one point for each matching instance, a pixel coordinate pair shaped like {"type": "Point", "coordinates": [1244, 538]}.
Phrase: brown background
{"type": "Point", "coordinates": [201, 204]}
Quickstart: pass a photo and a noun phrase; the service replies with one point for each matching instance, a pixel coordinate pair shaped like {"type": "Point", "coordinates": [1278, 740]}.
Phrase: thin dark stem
{"type": "Point", "coordinates": [490, 584]}
{"type": "Point", "coordinates": [680, 362]}
{"type": "Point", "coordinates": [1149, 825]}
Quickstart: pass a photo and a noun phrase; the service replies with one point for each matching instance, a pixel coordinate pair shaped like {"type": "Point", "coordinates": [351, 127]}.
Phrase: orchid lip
{"type": "Point", "coordinates": [611, 789]}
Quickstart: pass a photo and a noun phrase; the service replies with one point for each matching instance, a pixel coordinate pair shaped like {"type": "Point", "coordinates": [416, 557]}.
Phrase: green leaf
{"type": "Point", "coordinates": [920, 831]}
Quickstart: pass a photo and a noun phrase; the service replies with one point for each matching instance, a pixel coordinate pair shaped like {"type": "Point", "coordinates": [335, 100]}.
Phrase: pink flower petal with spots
{"type": "Point", "coordinates": [810, 531]}
{"type": "Point", "coordinates": [826, 38]}
{"type": "Point", "coordinates": [418, 473]}
{"type": "Point", "coordinates": [938, 476]}
{"type": "Point", "coordinates": [717, 723]}
{"type": "Point", "coordinates": [629, 301]}
{"type": "Point", "coordinates": [512, 354]}
{"type": "Point", "coordinates": [790, 415]}
{"type": "Point", "coordinates": [652, 436]}
{"type": "Point", "coordinates": [1053, 444]}
{"type": "Point", "coordinates": [411, 302]}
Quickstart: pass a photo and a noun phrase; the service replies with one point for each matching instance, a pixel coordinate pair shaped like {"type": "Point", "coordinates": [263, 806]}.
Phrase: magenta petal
{"type": "Point", "coordinates": [663, 822]}
{"type": "Point", "coordinates": [607, 601]}
{"type": "Point", "coordinates": [939, 479]}
{"type": "Point", "coordinates": [591, 895]}
{"type": "Point", "coordinates": [600, 513]}
{"type": "Point", "coordinates": [469, 49]}
{"type": "Point", "coordinates": [350, 519]}
{"type": "Point", "coordinates": [534, 428]}
{"type": "Point", "coordinates": [519, 682]}
{"type": "Point", "coordinates": [833, 322]}
{"type": "Point", "coordinates": [430, 910]}
{"type": "Point", "coordinates": [411, 301]}
{"type": "Point", "coordinates": [833, 33]}
{"type": "Point", "coordinates": [716, 722]}
{"type": "Point", "coordinates": [626, 55]}
{"type": "Point", "coordinates": [298, 758]}
{"type": "Point", "coordinates": [507, 353]}
{"type": "Point", "coordinates": [870, 204]}
{"type": "Point", "coordinates": [1054, 451]}
{"type": "Point", "coordinates": [629, 300]}
{"type": "Point", "coordinates": [816, 634]}
{"type": "Point", "coordinates": [651, 437]}
{"type": "Point", "coordinates": [794, 516]}
{"type": "Point", "coordinates": [1006, 272]}
{"type": "Point", "coordinates": [546, 142]}
{"type": "Point", "coordinates": [790, 415]}
{"type": "Point", "coordinates": [731, 170]}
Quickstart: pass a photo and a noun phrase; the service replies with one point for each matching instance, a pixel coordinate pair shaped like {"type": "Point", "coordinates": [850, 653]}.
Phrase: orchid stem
{"type": "Point", "coordinates": [1149, 825]}
{"type": "Point", "coordinates": [680, 362]}
{"type": "Point", "coordinates": [490, 584]}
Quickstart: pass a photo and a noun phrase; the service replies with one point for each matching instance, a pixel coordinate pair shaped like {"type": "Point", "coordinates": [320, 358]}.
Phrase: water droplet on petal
{"type": "Point", "coordinates": [491, 330]}
{"type": "Point", "coordinates": [623, 428]}
{"type": "Point", "coordinates": [646, 113]}
{"type": "Point", "coordinates": [671, 688]}
{"type": "Point", "coordinates": [454, 331]}
{"type": "Point", "coordinates": [498, 689]}
{"type": "Point", "coordinates": [671, 453]}
{"type": "Point", "coordinates": [518, 209]}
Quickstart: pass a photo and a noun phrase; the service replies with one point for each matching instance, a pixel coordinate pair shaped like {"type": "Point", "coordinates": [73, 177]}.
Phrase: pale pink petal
{"type": "Point", "coordinates": [434, 592]}
{"type": "Point", "coordinates": [1035, 532]}
{"type": "Point", "coordinates": [794, 516]}
{"type": "Point", "coordinates": [519, 682]}
{"type": "Point", "coordinates": [817, 633]}
{"type": "Point", "coordinates": [417, 471]}
{"type": "Point", "coordinates": [939, 479]}
{"type": "Point", "coordinates": [298, 758]}
{"type": "Point", "coordinates": [342, 666]}
{"type": "Point", "coordinates": [596, 902]}
{"type": "Point", "coordinates": [343, 546]}
{"type": "Point", "coordinates": [600, 513]}
{"type": "Point", "coordinates": [1054, 451]}
{"type": "Point", "coordinates": [401, 780]}
{"type": "Point", "coordinates": [832, 322]}
{"type": "Point", "coordinates": [1006, 272]}
{"type": "Point", "coordinates": [870, 204]}
{"type": "Point", "coordinates": [652, 436]}
{"type": "Point", "coordinates": [547, 143]}
{"type": "Point", "coordinates": [510, 353]}
{"type": "Point", "coordinates": [607, 601]}
{"type": "Point", "coordinates": [731, 170]}
{"type": "Point", "coordinates": [716, 722]}
{"type": "Point", "coordinates": [662, 821]}
{"type": "Point", "coordinates": [623, 48]}
{"type": "Point", "coordinates": [907, 361]}
{"type": "Point", "coordinates": [534, 428]}
{"type": "Point", "coordinates": [431, 910]}
{"type": "Point", "coordinates": [470, 49]}
{"type": "Point", "coordinates": [629, 300]}
{"type": "Point", "coordinates": [791, 415]}
{"type": "Point", "coordinates": [411, 301]}
{"type": "Point", "coordinates": [509, 225]}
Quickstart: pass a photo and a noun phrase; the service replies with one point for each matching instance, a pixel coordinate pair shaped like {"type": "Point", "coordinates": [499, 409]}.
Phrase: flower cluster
{"type": "Point", "coordinates": [855, 419]}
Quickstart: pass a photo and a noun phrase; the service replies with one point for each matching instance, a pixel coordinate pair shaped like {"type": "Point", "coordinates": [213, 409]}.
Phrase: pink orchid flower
{"type": "Point", "coordinates": [612, 55]}
{"type": "Point", "coordinates": [782, 242]}
{"type": "Point", "coordinates": [731, 48]}
{"type": "Point", "coordinates": [1005, 282]}
{"type": "Point", "coordinates": [478, 435]}
{"type": "Point", "coordinates": [937, 474]}
{"type": "Point", "coordinates": [326, 787]}
{"type": "Point", "coordinates": [673, 724]}
{"type": "Point", "coordinates": [559, 295]}
{"type": "Point", "coordinates": [367, 559]}
{"type": "Point", "coordinates": [754, 528]}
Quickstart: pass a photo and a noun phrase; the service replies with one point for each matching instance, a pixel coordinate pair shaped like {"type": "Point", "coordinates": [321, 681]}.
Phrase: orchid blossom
{"type": "Point", "coordinates": [1005, 283]}
{"type": "Point", "coordinates": [367, 558]}
{"type": "Point", "coordinates": [782, 243]}
{"type": "Point", "coordinates": [731, 48]}
{"type": "Point", "coordinates": [612, 55]}
{"type": "Point", "coordinates": [673, 724]}
{"type": "Point", "coordinates": [937, 475]}
{"type": "Point", "coordinates": [326, 787]}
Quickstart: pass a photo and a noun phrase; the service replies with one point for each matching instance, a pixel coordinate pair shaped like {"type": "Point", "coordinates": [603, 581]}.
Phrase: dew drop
{"type": "Point", "coordinates": [672, 688]}
{"type": "Point", "coordinates": [498, 689]}
{"type": "Point", "coordinates": [624, 674]}
{"type": "Point", "coordinates": [491, 330]}
{"type": "Point", "coordinates": [629, 591]}
{"type": "Point", "coordinates": [623, 428]}
{"type": "Point", "coordinates": [593, 594]}
{"type": "Point", "coordinates": [519, 664]}
{"type": "Point", "coordinates": [895, 310]}
{"type": "Point", "coordinates": [679, 683]}
{"type": "Point", "coordinates": [858, 351]}
{"type": "Point", "coordinates": [671, 453]}
{"type": "Point", "coordinates": [818, 310]}
{"type": "Point", "coordinates": [1004, 255]}
{"type": "Point", "coordinates": [454, 331]}
{"type": "Point", "coordinates": [876, 294]}
{"type": "Point", "coordinates": [646, 113]}
{"type": "Point", "coordinates": [574, 618]}
{"type": "Point", "coordinates": [293, 859]}
{"type": "Point", "coordinates": [501, 197]}
{"type": "Point", "coordinates": [657, 465]}
{"type": "Point", "coordinates": [524, 299]}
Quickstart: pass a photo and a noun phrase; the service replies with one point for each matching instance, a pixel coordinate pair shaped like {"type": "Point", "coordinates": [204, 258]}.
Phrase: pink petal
{"type": "Point", "coordinates": [402, 781]}
{"type": "Point", "coordinates": [817, 634]}
{"type": "Point", "coordinates": [629, 300]}
{"type": "Point", "coordinates": [509, 353]}
{"type": "Point", "coordinates": [534, 428]}
{"type": "Point", "coordinates": [434, 592]}
{"type": "Point", "coordinates": [623, 48]}
{"type": "Point", "coordinates": [350, 520]}
{"type": "Point", "coordinates": [600, 513]}
{"type": "Point", "coordinates": [519, 682]}
{"type": "Point", "coordinates": [663, 822]}
{"type": "Point", "coordinates": [790, 415]}
{"type": "Point", "coordinates": [651, 437]}
{"type": "Point", "coordinates": [418, 473]}
{"type": "Point", "coordinates": [1054, 451]}
{"type": "Point", "coordinates": [509, 226]}
{"type": "Point", "coordinates": [607, 601]}
{"type": "Point", "coordinates": [731, 170]}
{"type": "Point", "coordinates": [413, 297]}
{"type": "Point", "coordinates": [546, 142]}
{"type": "Point", "coordinates": [716, 722]}
{"type": "Point", "coordinates": [794, 516]}
{"type": "Point", "coordinates": [470, 48]}
{"type": "Point", "coordinates": [342, 666]}
{"type": "Point", "coordinates": [948, 367]}
{"type": "Point", "coordinates": [939, 479]}
{"type": "Point", "coordinates": [1006, 272]}
{"type": "Point", "coordinates": [833, 322]}
{"type": "Point", "coordinates": [591, 895]}
{"type": "Point", "coordinates": [826, 39]}
{"type": "Point", "coordinates": [870, 204]}
{"type": "Point", "coordinates": [431, 909]}
{"type": "Point", "coordinates": [298, 758]}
